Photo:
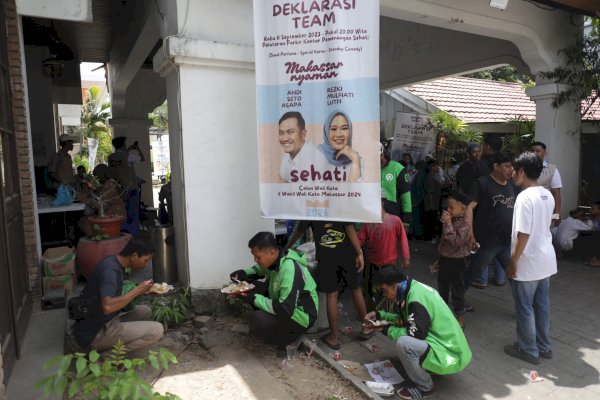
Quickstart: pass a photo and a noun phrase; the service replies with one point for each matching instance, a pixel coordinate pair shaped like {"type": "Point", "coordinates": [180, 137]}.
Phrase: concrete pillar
{"type": "Point", "coordinates": [213, 142]}
{"type": "Point", "coordinates": [138, 130]}
{"type": "Point", "coordinates": [559, 129]}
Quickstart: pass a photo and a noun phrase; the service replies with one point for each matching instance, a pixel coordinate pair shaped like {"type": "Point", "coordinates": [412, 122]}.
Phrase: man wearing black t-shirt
{"type": "Point", "coordinates": [494, 196]}
{"type": "Point", "coordinates": [340, 264]}
{"type": "Point", "coordinates": [109, 323]}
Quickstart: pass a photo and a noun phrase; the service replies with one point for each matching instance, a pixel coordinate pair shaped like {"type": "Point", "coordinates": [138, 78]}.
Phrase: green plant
{"type": "Point", "coordinates": [453, 135]}
{"type": "Point", "coordinates": [506, 73]}
{"type": "Point", "coordinates": [522, 137]}
{"type": "Point", "coordinates": [171, 310]}
{"type": "Point", "coordinates": [580, 73]}
{"type": "Point", "coordinates": [115, 377]}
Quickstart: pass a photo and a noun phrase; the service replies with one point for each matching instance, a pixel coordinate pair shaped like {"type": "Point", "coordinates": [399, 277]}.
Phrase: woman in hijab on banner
{"type": "Point", "coordinates": [337, 146]}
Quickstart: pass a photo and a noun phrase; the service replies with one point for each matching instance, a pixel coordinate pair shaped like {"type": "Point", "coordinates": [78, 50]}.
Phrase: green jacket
{"type": "Point", "coordinates": [396, 188]}
{"type": "Point", "coordinates": [427, 317]}
{"type": "Point", "coordinates": [292, 290]}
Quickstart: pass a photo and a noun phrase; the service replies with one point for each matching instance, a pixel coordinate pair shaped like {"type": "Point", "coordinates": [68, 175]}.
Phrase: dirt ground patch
{"type": "Point", "coordinates": [215, 362]}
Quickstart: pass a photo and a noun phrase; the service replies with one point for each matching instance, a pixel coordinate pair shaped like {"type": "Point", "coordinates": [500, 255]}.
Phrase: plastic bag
{"type": "Point", "coordinates": [64, 196]}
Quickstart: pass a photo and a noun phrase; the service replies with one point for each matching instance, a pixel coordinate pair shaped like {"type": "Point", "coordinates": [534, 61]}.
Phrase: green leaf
{"type": "Point", "coordinates": [80, 365]}
{"type": "Point", "coordinates": [127, 364]}
{"type": "Point", "coordinates": [106, 366]}
{"type": "Point", "coordinates": [112, 391]}
{"type": "Point", "coordinates": [95, 368]}
{"type": "Point", "coordinates": [53, 361]}
{"type": "Point", "coordinates": [48, 388]}
{"type": "Point", "coordinates": [136, 393]}
{"type": "Point", "coordinates": [94, 356]}
{"type": "Point", "coordinates": [153, 361]}
{"type": "Point", "coordinates": [73, 388]}
{"type": "Point", "coordinates": [61, 385]}
{"type": "Point", "coordinates": [64, 365]}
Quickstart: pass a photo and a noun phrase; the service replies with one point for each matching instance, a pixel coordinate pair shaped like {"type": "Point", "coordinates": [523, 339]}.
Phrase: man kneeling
{"type": "Point", "coordinates": [287, 304]}
{"type": "Point", "coordinates": [428, 337]}
{"type": "Point", "coordinates": [107, 325]}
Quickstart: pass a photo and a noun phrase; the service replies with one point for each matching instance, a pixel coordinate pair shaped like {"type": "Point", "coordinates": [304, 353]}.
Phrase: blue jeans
{"type": "Point", "coordinates": [477, 271]}
{"type": "Point", "coordinates": [532, 307]}
{"type": "Point", "coordinates": [411, 351]}
{"type": "Point", "coordinates": [499, 274]}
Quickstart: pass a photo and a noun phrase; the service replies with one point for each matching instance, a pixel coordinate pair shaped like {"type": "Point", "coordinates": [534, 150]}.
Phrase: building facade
{"type": "Point", "coordinates": [199, 55]}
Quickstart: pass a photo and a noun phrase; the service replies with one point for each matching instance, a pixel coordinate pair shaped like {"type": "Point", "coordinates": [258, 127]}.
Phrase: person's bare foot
{"type": "Point", "coordinates": [330, 342]}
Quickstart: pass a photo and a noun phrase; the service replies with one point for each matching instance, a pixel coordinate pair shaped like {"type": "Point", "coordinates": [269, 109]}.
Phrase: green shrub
{"type": "Point", "coordinates": [171, 310]}
{"type": "Point", "coordinates": [115, 377]}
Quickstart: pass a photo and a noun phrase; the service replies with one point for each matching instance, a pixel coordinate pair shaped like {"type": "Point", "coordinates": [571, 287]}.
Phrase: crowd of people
{"type": "Point", "coordinates": [498, 211]}
{"type": "Point", "coordinates": [493, 210]}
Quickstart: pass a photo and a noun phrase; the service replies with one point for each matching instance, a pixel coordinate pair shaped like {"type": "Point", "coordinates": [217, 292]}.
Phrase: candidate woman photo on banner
{"type": "Point", "coordinates": [337, 145]}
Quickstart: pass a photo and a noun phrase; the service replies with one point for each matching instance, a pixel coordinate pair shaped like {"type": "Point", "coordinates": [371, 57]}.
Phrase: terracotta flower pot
{"type": "Point", "coordinates": [110, 226]}
{"type": "Point", "coordinates": [91, 252]}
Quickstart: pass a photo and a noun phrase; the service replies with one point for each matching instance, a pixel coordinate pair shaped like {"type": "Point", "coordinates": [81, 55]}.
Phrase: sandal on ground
{"type": "Point", "coordinates": [478, 285]}
{"type": "Point", "coordinates": [411, 392]}
{"type": "Point", "coordinates": [327, 340]}
{"type": "Point", "coordinates": [366, 336]}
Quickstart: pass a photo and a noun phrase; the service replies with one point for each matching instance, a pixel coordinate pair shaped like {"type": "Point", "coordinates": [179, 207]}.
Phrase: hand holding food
{"type": "Point", "coordinates": [144, 286]}
{"type": "Point", "coordinates": [237, 288]}
{"type": "Point", "coordinates": [160, 288]}
{"type": "Point", "coordinates": [238, 275]}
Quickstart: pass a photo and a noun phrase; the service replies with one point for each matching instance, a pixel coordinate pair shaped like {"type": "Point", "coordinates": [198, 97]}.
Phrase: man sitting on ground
{"type": "Point", "coordinates": [287, 306]}
{"type": "Point", "coordinates": [428, 336]}
{"type": "Point", "coordinates": [104, 328]}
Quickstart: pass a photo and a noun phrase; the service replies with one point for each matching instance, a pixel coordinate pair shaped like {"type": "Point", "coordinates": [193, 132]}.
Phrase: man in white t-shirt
{"type": "Point", "coordinates": [532, 262]}
{"type": "Point", "coordinates": [549, 178]}
{"type": "Point", "coordinates": [300, 154]}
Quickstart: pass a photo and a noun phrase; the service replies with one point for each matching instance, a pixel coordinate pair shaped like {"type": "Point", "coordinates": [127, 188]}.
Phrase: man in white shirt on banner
{"type": "Point", "coordinates": [549, 178]}
{"type": "Point", "coordinates": [532, 263]}
{"type": "Point", "coordinates": [300, 154]}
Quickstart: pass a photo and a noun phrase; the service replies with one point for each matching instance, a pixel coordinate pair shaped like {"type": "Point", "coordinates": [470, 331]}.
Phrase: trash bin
{"type": "Point", "coordinates": [164, 263]}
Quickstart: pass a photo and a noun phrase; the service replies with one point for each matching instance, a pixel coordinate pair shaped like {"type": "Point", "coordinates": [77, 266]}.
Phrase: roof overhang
{"type": "Point", "coordinates": [585, 7]}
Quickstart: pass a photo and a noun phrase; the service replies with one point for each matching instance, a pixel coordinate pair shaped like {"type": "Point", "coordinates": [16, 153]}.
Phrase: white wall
{"type": "Point", "coordinates": [71, 10]}
{"type": "Point", "coordinates": [221, 171]}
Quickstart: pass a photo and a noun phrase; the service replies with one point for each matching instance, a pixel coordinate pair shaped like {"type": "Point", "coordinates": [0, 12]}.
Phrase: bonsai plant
{"type": "Point", "coordinates": [115, 377]}
{"type": "Point", "coordinates": [103, 230]}
{"type": "Point", "coordinates": [105, 196]}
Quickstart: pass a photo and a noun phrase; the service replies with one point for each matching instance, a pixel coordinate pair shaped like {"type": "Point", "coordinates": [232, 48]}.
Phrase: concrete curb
{"type": "Point", "coordinates": [357, 383]}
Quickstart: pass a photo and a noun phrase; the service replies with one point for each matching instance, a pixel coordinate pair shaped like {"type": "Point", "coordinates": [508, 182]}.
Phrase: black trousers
{"type": "Point", "coordinates": [451, 284]}
{"type": "Point", "coordinates": [274, 330]}
{"type": "Point", "coordinates": [430, 224]}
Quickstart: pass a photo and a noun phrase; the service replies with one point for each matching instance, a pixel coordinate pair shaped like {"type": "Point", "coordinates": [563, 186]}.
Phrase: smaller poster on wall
{"type": "Point", "coordinates": [413, 135]}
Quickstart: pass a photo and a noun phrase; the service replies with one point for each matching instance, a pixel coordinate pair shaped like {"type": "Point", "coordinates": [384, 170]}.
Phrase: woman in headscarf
{"type": "Point", "coordinates": [337, 145]}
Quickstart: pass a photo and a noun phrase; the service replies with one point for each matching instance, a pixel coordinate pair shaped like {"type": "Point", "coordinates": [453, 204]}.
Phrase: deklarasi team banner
{"type": "Point", "coordinates": [317, 83]}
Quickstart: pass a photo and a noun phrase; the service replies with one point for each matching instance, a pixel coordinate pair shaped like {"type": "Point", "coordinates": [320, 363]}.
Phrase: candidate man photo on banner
{"type": "Point", "coordinates": [299, 153]}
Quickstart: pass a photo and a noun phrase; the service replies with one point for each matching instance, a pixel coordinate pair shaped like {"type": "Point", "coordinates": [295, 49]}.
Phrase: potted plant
{"type": "Point", "coordinates": [105, 196]}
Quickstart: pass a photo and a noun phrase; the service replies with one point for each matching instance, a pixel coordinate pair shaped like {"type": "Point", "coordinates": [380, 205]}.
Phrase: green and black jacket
{"type": "Point", "coordinates": [292, 290]}
{"type": "Point", "coordinates": [425, 316]}
{"type": "Point", "coordinates": [396, 188]}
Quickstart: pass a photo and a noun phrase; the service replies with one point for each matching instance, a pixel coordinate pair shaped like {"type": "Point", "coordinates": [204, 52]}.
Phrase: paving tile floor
{"type": "Point", "coordinates": [573, 373]}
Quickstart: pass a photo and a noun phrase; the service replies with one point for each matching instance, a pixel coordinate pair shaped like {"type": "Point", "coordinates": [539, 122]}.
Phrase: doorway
{"type": "Point", "coordinates": [14, 292]}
